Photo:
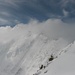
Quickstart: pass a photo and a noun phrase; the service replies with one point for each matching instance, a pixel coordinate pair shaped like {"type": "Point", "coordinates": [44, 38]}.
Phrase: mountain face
{"type": "Point", "coordinates": [34, 54]}
{"type": "Point", "coordinates": [64, 64]}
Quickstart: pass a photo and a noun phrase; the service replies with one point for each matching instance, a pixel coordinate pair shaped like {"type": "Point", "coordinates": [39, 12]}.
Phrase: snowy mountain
{"type": "Point", "coordinates": [64, 64]}
{"type": "Point", "coordinates": [29, 53]}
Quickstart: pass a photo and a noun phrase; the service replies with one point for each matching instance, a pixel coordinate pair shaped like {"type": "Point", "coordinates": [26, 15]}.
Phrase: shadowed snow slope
{"type": "Point", "coordinates": [25, 52]}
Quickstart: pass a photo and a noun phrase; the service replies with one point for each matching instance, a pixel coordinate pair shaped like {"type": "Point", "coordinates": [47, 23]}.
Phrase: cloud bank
{"type": "Point", "coordinates": [52, 28]}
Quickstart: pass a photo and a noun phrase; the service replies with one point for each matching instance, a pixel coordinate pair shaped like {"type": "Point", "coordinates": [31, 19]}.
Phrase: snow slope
{"type": "Point", "coordinates": [24, 53]}
{"type": "Point", "coordinates": [64, 64]}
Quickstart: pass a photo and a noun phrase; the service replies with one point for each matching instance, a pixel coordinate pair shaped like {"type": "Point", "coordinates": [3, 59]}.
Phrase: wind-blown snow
{"type": "Point", "coordinates": [23, 51]}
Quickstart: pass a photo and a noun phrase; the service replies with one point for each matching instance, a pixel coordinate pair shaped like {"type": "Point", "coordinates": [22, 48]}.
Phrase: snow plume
{"type": "Point", "coordinates": [25, 47]}
{"type": "Point", "coordinates": [52, 28]}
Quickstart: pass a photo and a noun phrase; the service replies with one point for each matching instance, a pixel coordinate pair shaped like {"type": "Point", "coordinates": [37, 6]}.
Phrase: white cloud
{"type": "Point", "coordinates": [53, 28]}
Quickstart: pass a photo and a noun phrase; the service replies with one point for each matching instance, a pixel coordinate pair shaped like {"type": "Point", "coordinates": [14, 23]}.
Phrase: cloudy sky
{"type": "Point", "coordinates": [21, 11]}
{"type": "Point", "coordinates": [54, 18]}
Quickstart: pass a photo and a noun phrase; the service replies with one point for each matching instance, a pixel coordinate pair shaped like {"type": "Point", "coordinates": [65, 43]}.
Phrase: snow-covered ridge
{"type": "Point", "coordinates": [64, 63]}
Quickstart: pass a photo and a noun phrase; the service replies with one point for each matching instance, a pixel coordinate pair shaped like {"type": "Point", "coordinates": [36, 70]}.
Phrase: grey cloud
{"type": "Point", "coordinates": [4, 21]}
